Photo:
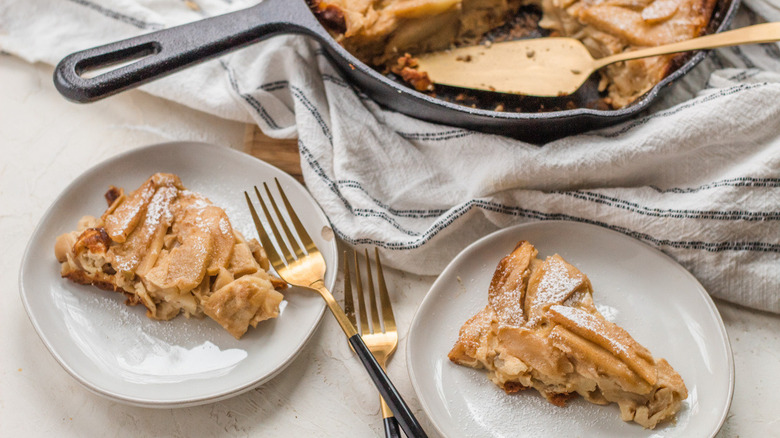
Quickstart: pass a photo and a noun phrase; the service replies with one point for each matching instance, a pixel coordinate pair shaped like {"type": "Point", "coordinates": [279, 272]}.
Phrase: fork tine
{"type": "Point", "coordinates": [270, 250]}
{"type": "Point", "coordinates": [349, 305]}
{"type": "Point", "coordinates": [286, 252]}
{"type": "Point", "coordinates": [375, 327]}
{"type": "Point", "coordinates": [302, 234]}
{"type": "Point", "coordinates": [361, 302]}
{"type": "Point", "coordinates": [290, 238]}
{"type": "Point", "coordinates": [387, 309]}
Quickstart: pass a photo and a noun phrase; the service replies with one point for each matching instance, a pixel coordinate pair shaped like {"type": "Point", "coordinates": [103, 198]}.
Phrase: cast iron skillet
{"type": "Point", "coordinates": [166, 51]}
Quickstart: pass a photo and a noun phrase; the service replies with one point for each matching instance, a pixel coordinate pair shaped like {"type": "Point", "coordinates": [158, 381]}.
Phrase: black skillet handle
{"type": "Point", "coordinates": [166, 51]}
{"type": "Point", "coordinates": [403, 414]}
{"type": "Point", "coordinates": [391, 428]}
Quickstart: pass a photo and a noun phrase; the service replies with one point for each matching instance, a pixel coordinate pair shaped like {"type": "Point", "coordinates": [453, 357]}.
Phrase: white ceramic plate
{"type": "Point", "coordinates": [115, 350]}
{"type": "Point", "coordinates": [635, 286]}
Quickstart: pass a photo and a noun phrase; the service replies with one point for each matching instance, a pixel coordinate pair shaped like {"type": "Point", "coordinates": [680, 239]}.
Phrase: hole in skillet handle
{"type": "Point", "coordinates": [101, 64]}
{"type": "Point", "coordinates": [103, 71]}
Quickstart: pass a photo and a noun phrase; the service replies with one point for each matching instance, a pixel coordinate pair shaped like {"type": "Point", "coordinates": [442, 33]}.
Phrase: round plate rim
{"type": "Point", "coordinates": [513, 229]}
{"type": "Point", "coordinates": [151, 402]}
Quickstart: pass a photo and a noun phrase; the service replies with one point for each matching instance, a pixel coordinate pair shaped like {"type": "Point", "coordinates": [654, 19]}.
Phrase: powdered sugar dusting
{"type": "Point", "coordinates": [196, 200]}
{"type": "Point", "coordinates": [224, 226]}
{"type": "Point", "coordinates": [483, 409]}
{"type": "Point", "coordinates": [556, 284]}
{"type": "Point", "coordinates": [471, 333]}
{"type": "Point", "coordinates": [608, 312]}
{"type": "Point", "coordinates": [508, 305]}
{"type": "Point", "coordinates": [132, 208]}
{"type": "Point", "coordinates": [140, 350]}
{"type": "Point", "coordinates": [591, 323]}
{"type": "Point", "coordinates": [158, 213]}
{"type": "Point", "coordinates": [159, 207]}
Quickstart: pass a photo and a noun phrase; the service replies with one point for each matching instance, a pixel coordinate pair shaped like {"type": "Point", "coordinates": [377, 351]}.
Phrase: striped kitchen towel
{"type": "Point", "coordinates": [697, 176]}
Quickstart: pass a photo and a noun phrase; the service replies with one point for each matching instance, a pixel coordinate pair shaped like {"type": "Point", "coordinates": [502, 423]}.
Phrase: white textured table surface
{"type": "Point", "coordinates": [47, 142]}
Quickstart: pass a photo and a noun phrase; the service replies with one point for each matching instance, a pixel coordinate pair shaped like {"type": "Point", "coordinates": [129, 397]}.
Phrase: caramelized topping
{"type": "Point", "coordinates": [510, 281]}
{"type": "Point", "coordinates": [145, 239]}
{"type": "Point", "coordinates": [608, 336]}
{"type": "Point", "coordinates": [92, 239]}
{"type": "Point", "coordinates": [242, 303]}
{"type": "Point", "coordinates": [123, 220]}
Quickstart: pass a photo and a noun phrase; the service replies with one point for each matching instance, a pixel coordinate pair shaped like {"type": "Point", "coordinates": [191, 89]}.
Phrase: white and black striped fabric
{"type": "Point", "coordinates": [697, 177]}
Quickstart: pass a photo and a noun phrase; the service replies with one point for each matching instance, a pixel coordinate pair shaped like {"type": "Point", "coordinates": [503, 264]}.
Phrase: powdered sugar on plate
{"type": "Point", "coordinates": [634, 286]}
{"type": "Point", "coordinates": [141, 350]}
{"type": "Point", "coordinates": [483, 409]}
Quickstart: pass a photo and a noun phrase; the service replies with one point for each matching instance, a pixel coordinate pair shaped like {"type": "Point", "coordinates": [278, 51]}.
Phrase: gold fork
{"type": "Point", "coordinates": [381, 340]}
{"type": "Point", "coordinates": [306, 269]}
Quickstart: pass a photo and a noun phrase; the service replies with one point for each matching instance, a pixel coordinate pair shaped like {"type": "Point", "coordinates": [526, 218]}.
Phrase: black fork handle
{"type": "Point", "coordinates": [391, 428]}
{"type": "Point", "coordinates": [394, 401]}
{"type": "Point", "coordinates": [163, 52]}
